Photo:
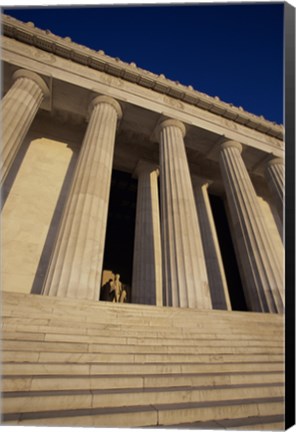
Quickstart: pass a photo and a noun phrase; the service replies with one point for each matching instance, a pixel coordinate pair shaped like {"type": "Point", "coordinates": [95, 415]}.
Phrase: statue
{"type": "Point", "coordinates": [123, 295]}
{"type": "Point", "coordinates": [115, 289]}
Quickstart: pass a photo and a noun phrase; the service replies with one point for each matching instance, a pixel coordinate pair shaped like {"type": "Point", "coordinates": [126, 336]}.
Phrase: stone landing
{"type": "Point", "coordinates": [70, 362]}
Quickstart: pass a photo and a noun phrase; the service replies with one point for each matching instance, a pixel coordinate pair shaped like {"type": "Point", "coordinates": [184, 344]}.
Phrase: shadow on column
{"type": "Point", "coordinates": [8, 183]}
{"type": "Point", "coordinates": [234, 283]}
{"type": "Point", "coordinates": [53, 228]}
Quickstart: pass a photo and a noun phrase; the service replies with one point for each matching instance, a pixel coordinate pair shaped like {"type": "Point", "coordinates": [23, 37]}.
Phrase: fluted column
{"type": "Point", "coordinates": [262, 271]}
{"type": "Point", "coordinates": [213, 258]}
{"type": "Point", "coordinates": [76, 265]}
{"type": "Point", "coordinates": [147, 271]}
{"type": "Point", "coordinates": [18, 108]}
{"type": "Point", "coordinates": [184, 272]}
{"type": "Point", "coordinates": [275, 176]}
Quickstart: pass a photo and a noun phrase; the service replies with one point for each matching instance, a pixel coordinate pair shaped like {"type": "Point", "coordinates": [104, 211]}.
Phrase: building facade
{"type": "Point", "coordinates": [106, 166]}
{"type": "Point", "coordinates": [70, 117]}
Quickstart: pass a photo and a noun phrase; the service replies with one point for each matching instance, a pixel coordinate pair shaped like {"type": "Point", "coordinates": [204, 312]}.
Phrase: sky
{"type": "Point", "coordinates": [233, 51]}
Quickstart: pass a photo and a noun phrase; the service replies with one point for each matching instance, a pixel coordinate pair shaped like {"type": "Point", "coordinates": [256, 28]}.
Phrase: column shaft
{"type": "Point", "coordinates": [76, 265]}
{"type": "Point", "coordinates": [184, 272]}
{"type": "Point", "coordinates": [147, 272]}
{"type": "Point", "coordinates": [262, 271]}
{"type": "Point", "coordinates": [275, 179]}
{"type": "Point", "coordinates": [213, 259]}
{"type": "Point", "coordinates": [19, 107]}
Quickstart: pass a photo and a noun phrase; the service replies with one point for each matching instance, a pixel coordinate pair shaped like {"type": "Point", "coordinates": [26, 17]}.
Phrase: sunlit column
{"type": "Point", "coordinates": [184, 271]}
{"type": "Point", "coordinates": [18, 109]}
{"type": "Point", "coordinates": [276, 182]}
{"type": "Point", "coordinates": [213, 259]}
{"type": "Point", "coordinates": [76, 265]}
{"type": "Point", "coordinates": [262, 271]}
{"type": "Point", "coordinates": [147, 271]}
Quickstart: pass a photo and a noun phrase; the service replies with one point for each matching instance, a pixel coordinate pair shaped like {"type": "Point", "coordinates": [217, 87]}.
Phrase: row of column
{"type": "Point", "coordinates": [169, 263]}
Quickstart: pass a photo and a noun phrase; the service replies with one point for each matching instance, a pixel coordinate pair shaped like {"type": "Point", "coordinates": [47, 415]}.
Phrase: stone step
{"type": "Point", "coordinates": [271, 423]}
{"type": "Point", "coordinates": [72, 362]}
{"type": "Point", "coordinates": [279, 426]}
{"type": "Point", "coordinates": [34, 382]}
{"type": "Point", "coordinates": [61, 331]}
{"type": "Point", "coordinates": [88, 311]}
{"type": "Point", "coordinates": [148, 338]}
{"type": "Point", "coordinates": [159, 349]}
{"type": "Point", "coordinates": [148, 343]}
{"type": "Point", "coordinates": [137, 368]}
{"type": "Point", "coordinates": [93, 335]}
{"type": "Point", "coordinates": [159, 323]}
{"type": "Point", "coordinates": [44, 354]}
{"type": "Point", "coordinates": [105, 332]}
{"type": "Point", "coordinates": [153, 415]}
{"type": "Point", "coordinates": [38, 401]}
{"type": "Point", "coordinates": [11, 299]}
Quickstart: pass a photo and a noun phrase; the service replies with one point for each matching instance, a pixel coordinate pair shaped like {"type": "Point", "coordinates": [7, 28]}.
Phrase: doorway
{"type": "Point", "coordinates": [119, 243]}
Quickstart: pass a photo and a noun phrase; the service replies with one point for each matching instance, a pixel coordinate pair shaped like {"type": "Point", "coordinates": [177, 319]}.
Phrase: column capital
{"type": "Point", "coordinates": [145, 166]}
{"type": "Point", "coordinates": [231, 144]}
{"type": "Point", "coordinates": [106, 100]}
{"type": "Point", "coordinates": [23, 73]}
{"type": "Point", "coordinates": [171, 122]}
{"type": "Point", "coordinates": [275, 160]}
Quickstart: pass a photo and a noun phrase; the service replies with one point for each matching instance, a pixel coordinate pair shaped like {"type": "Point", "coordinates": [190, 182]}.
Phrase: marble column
{"type": "Point", "coordinates": [76, 265]}
{"type": "Point", "coordinates": [184, 272]}
{"type": "Point", "coordinates": [213, 258]}
{"type": "Point", "coordinates": [147, 265]}
{"type": "Point", "coordinates": [18, 108]}
{"type": "Point", "coordinates": [275, 176]}
{"type": "Point", "coordinates": [262, 271]}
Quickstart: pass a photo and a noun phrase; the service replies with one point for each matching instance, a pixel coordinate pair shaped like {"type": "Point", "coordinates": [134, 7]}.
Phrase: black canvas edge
{"type": "Point", "coordinates": [289, 52]}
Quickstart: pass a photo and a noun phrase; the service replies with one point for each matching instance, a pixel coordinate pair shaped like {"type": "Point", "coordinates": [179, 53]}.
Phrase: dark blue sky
{"type": "Point", "coordinates": [231, 51]}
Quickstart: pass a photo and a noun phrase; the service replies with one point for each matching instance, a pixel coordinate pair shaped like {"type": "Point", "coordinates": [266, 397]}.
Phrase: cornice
{"type": "Point", "coordinates": [64, 47]}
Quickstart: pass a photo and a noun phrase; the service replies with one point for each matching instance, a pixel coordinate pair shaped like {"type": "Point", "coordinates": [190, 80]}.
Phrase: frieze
{"type": "Point", "coordinates": [173, 102]}
{"type": "Point", "coordinates": [110, 80]}
{"type": "Point", "coordinates": [34, 52]}
{"type": "Point", "coordinates": [44, 56]}
{"type": "Point", "coordinates": [228, 123]}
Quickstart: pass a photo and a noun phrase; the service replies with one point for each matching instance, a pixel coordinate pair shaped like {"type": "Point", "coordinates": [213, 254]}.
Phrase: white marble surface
{"type": "Point", "coordinates": [263, 274]}
{"type": "Point", "coordinates": [184, 272]}
{"type": "Point", "coordinates": [275, 175]}
{"type": "Point", "coordinates": [76, 265]}
{"type": "Point", "coordinates": [147, 261]}
{"type": "Point", "coordinates": [18, 109]}
{"type": "Point", "coordinates": [213, 258]}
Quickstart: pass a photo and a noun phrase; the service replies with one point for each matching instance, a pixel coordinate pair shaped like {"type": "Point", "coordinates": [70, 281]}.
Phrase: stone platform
{"type": "Point", "coordinates": [70, 362]}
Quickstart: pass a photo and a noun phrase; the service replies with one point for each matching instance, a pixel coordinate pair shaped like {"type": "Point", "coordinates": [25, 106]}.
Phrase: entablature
{"type": "Point", "coordinates": [97, 60]}
{"type": "Point", "coordinates": [73, 85]}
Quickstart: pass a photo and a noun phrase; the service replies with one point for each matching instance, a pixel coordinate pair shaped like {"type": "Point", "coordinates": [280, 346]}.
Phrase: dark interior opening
{"type": "Point", "coordinates": [232, 274]}
{"type": "Point", "coordinates": [119, 243]}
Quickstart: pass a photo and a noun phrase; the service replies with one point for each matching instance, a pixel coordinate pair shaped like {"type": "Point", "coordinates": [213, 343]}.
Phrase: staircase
{"type": "Point", "coordinates": [70, 362]}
